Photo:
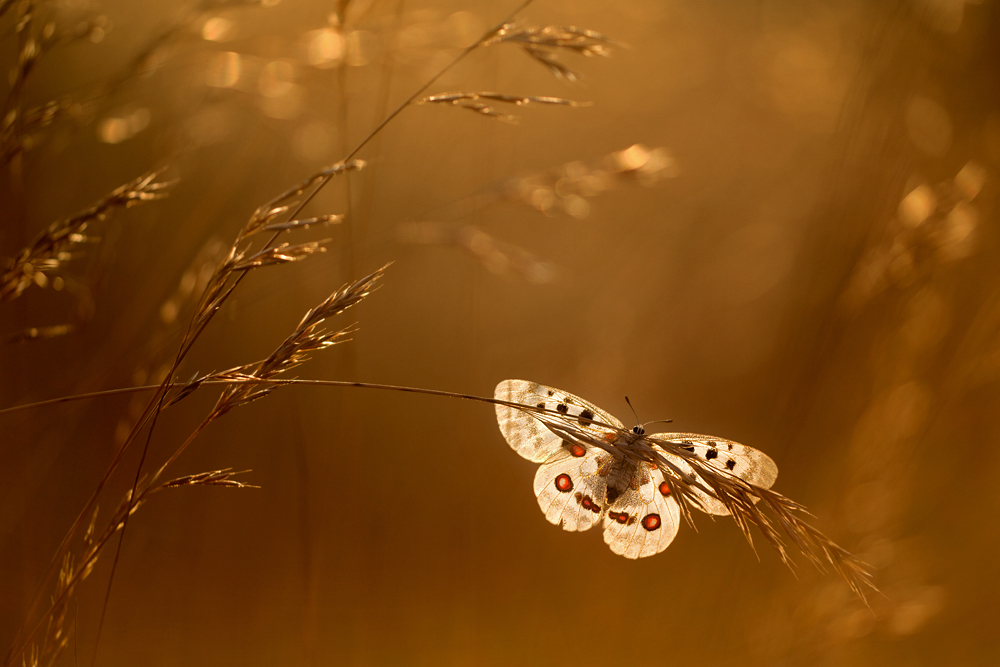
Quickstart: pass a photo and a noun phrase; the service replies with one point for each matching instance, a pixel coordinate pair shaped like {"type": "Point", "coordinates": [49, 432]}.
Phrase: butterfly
{"type": "Point", "coordinates": [595, 471]}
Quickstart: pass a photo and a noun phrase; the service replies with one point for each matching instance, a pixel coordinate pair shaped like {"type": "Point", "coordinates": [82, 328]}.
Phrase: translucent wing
{"type": "Point", "coordinates": [749, 464]}
{"type": "Point", "coordinates": [526, 434]}
{"type": "Point", "coordinates": [569, 487]}
{"type": "Point", "coordinates": [643, 523]}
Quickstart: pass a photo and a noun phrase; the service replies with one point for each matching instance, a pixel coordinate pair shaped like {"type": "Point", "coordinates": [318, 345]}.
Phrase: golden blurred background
{"type": "Point", "coordinates": [773, 222]}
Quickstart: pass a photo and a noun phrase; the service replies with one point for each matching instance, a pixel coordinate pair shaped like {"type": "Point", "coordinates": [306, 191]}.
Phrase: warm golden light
{"type": "Point", "coordinates": [770, 221]}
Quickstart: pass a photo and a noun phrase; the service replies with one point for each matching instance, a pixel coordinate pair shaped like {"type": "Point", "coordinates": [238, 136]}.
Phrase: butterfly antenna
{"type": "Point", "coordinates": [634, 413]}
{"type": "Point", "coordinates": [640, 429]}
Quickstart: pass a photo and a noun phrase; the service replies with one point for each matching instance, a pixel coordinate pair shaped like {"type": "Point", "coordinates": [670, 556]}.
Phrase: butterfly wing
{"type": "Point", "coordinates": [528, 436]}
{"type": "Point", "coordinates": [645, 522]}
{"type": "Point", "coordinates": [749, 464]}
{"type": "Point", "coordinates": [570, 488]}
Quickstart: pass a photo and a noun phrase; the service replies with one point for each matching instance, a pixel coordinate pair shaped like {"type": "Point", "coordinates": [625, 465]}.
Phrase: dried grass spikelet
{"type": "Point", "coordinates": [250, 382]}
{"type": "Point", "coordinates": [222, 477]}
{"type": "Point", "coordinates": [781, 525]}
{"type": "Point", "coordinates": [54, 247]}
{"type": "Point", "coordinates": [74, 570]}
{"type": "Point", "coordinates": [545, 44]}
{"type": "Point", "coordinates": [568, 187]}
{"type": "Point", "coordinates": [471, 101]}
{"type": "Point", "coordinates": [934, 225]}
{"type": "Point", "coordinates": [264, 218]}
{"type": "Point", "coordinates": [240, 259]}
{"type": "Point", "coordinates": [19, 128]}
{"type": "Point", "coordinates": [38, 29]}
{"type": "Point", "coordinates": [496, 256]}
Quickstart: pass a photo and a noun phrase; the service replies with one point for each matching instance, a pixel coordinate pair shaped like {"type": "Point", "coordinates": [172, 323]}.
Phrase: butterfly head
{"type": "Point", "coordinates": [638, 430]}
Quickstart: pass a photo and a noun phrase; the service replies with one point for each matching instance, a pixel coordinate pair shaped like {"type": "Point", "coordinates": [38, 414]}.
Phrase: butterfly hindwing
{"type": "Point", "coordinates": [643, 521]}
{"type": "Point", "coordinates": [528, 436]}
{"type": "Point", "coordinates": [749, 464]}
{"type": "Point", "coordinates": [569, 489]}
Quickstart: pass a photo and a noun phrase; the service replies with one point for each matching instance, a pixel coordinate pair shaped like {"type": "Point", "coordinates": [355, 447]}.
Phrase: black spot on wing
{"type": "Point", "coordinates": [562, 407]}
{"type": "Point", "coordinates": [730, 464]}
{"type": "Point", "coordinates": [585, 416]}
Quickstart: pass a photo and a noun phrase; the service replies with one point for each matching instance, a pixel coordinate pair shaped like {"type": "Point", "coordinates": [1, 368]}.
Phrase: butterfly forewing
{"type": "Point", "coordinates": [528, 436]}
{"type": "Point", "coordinates": [749, 464]}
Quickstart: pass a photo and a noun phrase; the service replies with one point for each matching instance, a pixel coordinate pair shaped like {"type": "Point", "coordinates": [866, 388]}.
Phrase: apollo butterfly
{"type": "Point", "coordinates": [595, 471]}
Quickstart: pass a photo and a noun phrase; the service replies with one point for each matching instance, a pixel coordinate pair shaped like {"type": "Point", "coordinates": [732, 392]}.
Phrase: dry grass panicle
{"type": "Point", "coordinates": [76, 569]}
{"type": "Point", "coordinates": [38, 263]}
{"type": "Point", "coordinates": [544, 45]}
{"type": "Point", "coordinates": [308, 337]}
{"type": "Point", "coordinates": [471, 101]}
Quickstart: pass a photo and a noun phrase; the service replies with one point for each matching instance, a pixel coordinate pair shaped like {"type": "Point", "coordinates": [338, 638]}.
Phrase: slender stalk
{"type": "Point", "coordinates": [382, 108]}
{"type": "Point", "coordinates": [291, 381]}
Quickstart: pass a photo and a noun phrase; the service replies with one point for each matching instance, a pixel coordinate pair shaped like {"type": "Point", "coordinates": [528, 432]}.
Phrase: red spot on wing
{"type": "Point", "coordinates": [577, 450]}
{"type": "Point", "coordinates": [651, 521]}
{"type": "Point", "coordinates": [564, 483]}
{"type": "Point", "coordinates": [609, 436]}
{"type": "Point", "coordinates": [664, 488]}
{"type": "Point", "coordinates": [589, 504]}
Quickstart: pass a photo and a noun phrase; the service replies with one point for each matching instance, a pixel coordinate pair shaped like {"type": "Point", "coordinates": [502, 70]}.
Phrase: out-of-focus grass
{"type": "Point", "coordinates": [816, 280]}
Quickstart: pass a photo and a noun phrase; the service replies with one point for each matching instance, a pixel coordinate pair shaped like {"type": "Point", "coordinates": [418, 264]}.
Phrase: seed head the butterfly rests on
{"type": "Point", "coordinates": [595, 471]}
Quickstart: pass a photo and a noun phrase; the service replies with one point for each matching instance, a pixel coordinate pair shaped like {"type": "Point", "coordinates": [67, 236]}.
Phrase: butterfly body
{"type": "Point", "coordinates": [595, 471]}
